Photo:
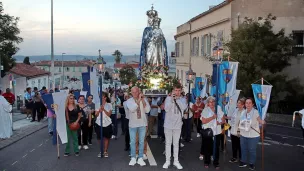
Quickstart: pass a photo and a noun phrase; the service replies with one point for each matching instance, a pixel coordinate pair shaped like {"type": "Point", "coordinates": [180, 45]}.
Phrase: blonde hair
{"type": "Point", "coordinates": [67, 101]}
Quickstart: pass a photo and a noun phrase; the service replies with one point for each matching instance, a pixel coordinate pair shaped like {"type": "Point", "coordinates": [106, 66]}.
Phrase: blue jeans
{"type": "Point", "coordinates": [249, 147]}
{"type": "Point", "coordinates": [141, 138]}
{"type": "Point", "coordinates": [50, 124]}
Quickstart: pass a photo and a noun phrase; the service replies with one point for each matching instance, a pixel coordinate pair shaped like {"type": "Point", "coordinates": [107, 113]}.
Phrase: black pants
{"type": "Point", "coordinates": [198, 124]}
{"type": "Point", "coordinates": [222, 141]}
{"type": "Point", "coordinates": [202, 146]}
{"type": "Point", "coordinates": [302, 131]}
{"type": "Point", "coordinates": [37, 110]}
{"type": "Point", "coordinates": [84, 128]}
{"type": "Point", "coordinates": [186, 129]}
{"type": "Point", "coordinates": [122, 120]}
{"type": "Point", "coordinates": [90, 131]}
{"type": "Point", "coordinates": [236, 146]}
{"type": "Point", "coordinates": [114, 123]}
{"type": "Point", "coordinates": [208, 149]}
{"type": "Point", "coordinates": [127, 134]}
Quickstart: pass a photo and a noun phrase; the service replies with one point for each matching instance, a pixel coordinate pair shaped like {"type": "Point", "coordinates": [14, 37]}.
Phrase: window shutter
{"type": "Point", "coordinates": [209, 44]}
{"type": "Point", "coordinates": [202, 46]}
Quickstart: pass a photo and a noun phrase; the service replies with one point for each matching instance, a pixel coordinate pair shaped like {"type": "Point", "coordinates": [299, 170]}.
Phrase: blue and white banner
{"type": "Point", "coordinates": [262, 97]}
{"type": "Point", "coordinates": [232, 105]}
{"type": "Point", "coordinates": [193, 96]}
{"type": "Point", "coordinates": [198, 86]}
{"type": "Point", "coordinates": [56, 102]}
{"type": "Point", "coordinates": [204, 89]}
{"type": "Point", "coordinates": [90, 84]}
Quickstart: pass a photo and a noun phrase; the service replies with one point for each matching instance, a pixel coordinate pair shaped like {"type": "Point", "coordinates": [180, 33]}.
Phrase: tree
{"type": "Point", "coordinates": [127, 74]}
{"type": "Point", "coordinates": [263, 53]}
{"type": "Point", "coordinates": [117, 54]}
{"type": "Point", "coordinates": [27, 60]}
{"type": "Point", "coordinates": [9, 32]}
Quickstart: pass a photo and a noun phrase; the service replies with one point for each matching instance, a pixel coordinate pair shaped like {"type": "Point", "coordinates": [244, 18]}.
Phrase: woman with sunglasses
{"type": "Point", "coordinates": [85, 122]}
{"type": "Point", "coordinates": [106, 109]}
{"type": "Point", "coordinates": [72, 117]}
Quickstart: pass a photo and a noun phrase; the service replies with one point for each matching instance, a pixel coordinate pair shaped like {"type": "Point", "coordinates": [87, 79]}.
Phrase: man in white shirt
{"type": "Point", "coordinates": [138, 107]}
{"type": "Point", "coordinates": [174, 107]}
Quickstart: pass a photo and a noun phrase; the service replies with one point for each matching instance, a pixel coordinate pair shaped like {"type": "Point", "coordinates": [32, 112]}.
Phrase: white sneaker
{"type": "Point", "coordinates": [99, 155]}
{"type": "Point", "coordinates": [27, 118]}
{"type": "Point", "coordinates": [79, 147]}
{"type": "Point", "coordinates": [133, 161]}
{"type": "Point", "coordinates": [198, 135]}
{"type": "Point", "coordinates": [201, 157]}
{"type": "Point", "coordinates": [182, 145]}
{"type": "Point", "coordinates": [85, 147]}
{"type": "Point", "coordinates": [113, 137]}
{"type": "Point", "coordinates": [141, 162]}
{"type": "Point", "coordinates": [166, 165]}
{"type": "Point", "coordinates": [178, 165]}
{"type": "Point", "coordinates": [145, 157]}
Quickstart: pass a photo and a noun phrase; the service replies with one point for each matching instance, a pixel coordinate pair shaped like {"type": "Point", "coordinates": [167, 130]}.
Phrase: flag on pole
{"type": "Point", "coordinates": [262, 97]}
{"type": "Point", "coordinates": [56, 103]}
{"type": "Point", "coordinates": [198, 86]}
{"type": "Point", "coordinates": [232, 102]}
{"type": "Point", "coordinates": [193, 96]}
{"type": "Point", "coordinates": [203, 92]}
{"type": "Point", "coordinates": [90, 85]}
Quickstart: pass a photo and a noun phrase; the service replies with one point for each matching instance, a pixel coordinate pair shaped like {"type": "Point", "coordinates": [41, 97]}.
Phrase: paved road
{"type": "Point", "coordinates": [35, 153]}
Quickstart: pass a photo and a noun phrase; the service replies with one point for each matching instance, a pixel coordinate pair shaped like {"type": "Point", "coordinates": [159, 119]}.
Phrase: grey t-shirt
{"type": "Point", "coordinates": [92, 107]}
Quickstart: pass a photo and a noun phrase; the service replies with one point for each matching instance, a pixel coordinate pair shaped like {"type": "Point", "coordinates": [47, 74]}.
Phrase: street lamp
{"type": "Point", "coordinates": [100, 68]}
{"type": "Point", "coordinates": [115, 76]}
{"type": "Point", "coordinates": [62, 70]}
{"type": "Point", "coordinates": [190, 79]}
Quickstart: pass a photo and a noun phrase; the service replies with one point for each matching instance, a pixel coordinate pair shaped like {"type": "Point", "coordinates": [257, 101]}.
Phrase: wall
{"type": "Point", "coordinates": [38, 82]}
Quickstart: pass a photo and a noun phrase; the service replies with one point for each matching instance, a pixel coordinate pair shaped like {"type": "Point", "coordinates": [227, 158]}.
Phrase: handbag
{"type": "Point", "coordinates": [207, 133]}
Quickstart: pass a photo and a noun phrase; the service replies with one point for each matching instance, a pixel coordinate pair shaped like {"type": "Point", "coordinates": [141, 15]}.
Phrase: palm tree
{"type": "Point", "coordinates": [117, 54]}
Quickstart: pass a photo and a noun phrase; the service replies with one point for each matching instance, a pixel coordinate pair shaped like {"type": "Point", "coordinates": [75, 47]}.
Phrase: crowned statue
{"type": "Point", "coordinates": [153, 48]}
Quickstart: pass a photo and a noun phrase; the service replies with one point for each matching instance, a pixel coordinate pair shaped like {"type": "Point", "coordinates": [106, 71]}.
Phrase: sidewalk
{"type": "Point", "coordinates": [22, 128]}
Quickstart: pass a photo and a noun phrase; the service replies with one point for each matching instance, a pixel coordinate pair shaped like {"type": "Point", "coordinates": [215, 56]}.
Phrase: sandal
{"type": "Point", "coordinates": [105, 154]}
{"type": "Point", "coordinates": [206, 166]}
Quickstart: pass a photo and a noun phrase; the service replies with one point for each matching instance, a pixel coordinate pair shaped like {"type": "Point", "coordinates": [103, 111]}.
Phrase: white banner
{"type": "Point", "coordinates": [59, 107]}
{"type": "Point", "coordinates": [94, 88]}
{"type": "Point", "coordinates": [233, 102]}
{"type": "Point", "coordinates": [231, 85]}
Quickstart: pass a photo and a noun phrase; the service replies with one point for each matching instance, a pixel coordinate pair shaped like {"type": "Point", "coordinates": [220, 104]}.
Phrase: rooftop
{"type": "Point", "coordinates": [82, 63]}
{"type": "Point", "coordinates": [122, 65]}
{"type": "Point", "coordinates": [27, 70]}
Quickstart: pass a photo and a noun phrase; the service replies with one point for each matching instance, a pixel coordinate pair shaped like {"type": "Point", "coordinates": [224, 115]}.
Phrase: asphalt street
{"type": "Point", "coordinates": [283, 151]}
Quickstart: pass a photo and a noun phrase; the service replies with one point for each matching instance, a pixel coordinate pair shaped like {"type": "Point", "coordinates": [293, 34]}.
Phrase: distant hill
{"type": "Point", "coordinates": [107, 58]}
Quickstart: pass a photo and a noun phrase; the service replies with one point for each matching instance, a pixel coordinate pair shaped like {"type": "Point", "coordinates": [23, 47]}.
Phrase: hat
{"type": "Point", "coordinates": [301, 112]}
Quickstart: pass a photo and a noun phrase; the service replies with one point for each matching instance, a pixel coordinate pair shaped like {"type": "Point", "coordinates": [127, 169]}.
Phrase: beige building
{"type": "Point", "coordinates": [196, 38]}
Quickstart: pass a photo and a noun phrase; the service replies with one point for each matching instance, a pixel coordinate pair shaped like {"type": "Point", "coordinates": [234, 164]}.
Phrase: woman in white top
{"type": "Point", "coordinates": [234, 120]}
{"type": "Point", "coordinates": [106, 109]}
{"type": "Point", "coordinates": [250, 133]}
{"type": "Point", "coordinates": [211, 129]}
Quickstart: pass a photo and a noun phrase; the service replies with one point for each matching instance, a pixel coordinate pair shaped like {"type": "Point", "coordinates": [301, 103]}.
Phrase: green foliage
{"type": "Point", "coordinates": [264, 53]}
{"type": "Point", "coordinates": [26, 60]}
{"type": "Point", "coordinates": [117, 54]}
{"type": "Point", "coordinates": [9, 32]}
{"type": "Point", "coordinates": [127, 74]}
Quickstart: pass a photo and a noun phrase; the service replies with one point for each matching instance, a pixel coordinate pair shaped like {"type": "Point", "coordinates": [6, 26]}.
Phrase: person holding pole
{"type": "Point", "coordinates": [250, 134]}
{"type": "Point", "coordinates": [73, 116]}
{"type": "Point", "coordinates": [211, 130]}
{"type": "Point", "coordinates": [174, 107]}
{"type": "Point", "coordinates": [106, 109]}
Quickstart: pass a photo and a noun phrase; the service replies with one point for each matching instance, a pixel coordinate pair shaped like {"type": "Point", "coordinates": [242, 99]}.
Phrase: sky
{"type": "Point", "coordinates": [84, 26]}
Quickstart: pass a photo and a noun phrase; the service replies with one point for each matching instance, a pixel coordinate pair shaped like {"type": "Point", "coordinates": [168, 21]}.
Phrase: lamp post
{"type": "Point", "coordinates": [190, 78]}
{"type": "Point", "coordinates": [62, 70]}
{"type": "Point", "coordinates": [100, 67]}
{"type": "Point", "coordinates": [115, 77]}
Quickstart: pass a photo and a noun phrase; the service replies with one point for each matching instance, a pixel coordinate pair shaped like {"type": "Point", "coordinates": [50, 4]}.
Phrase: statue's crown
{"type": "Point", "coordinates": [152, 13]}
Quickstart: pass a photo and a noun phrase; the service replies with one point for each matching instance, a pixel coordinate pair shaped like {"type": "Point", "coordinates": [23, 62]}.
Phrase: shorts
{"type": "Point", "coordinates": [106, 131]}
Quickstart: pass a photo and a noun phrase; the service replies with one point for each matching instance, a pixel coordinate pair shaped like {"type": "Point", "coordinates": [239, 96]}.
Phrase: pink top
{"type": "Point", "coordinates": [49, 113]}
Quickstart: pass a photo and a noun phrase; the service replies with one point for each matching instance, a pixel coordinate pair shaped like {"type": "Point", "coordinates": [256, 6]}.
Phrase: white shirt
{"type": "Point", "coordinates": [207, 113]}
{"type": "Point", "coordinates": [249, 125]}
{"type": "Point", "coordinates": [173, 117]}
{"type": "Point", "coordinates": [134, 122]}
{"type": "Point", "coordinates": [302, 112]}
{"type": "Point", "coordinates": [106, 120]}
{"type": "Point", "coordinates": [234, 121]}
{"type": "Point", "coordinates": [126, 109]}
{"type": "Point", "coordinates": [191, 114]}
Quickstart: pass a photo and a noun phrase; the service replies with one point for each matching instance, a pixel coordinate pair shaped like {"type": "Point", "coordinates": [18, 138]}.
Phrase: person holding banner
{"type": "Point", "coordinates": [250, 133]}
{"type": "Point", "coordinates": [107, 130]}
{"type": "Point", "coordinates": [85, 122]}
{"type": "Point", "coordinates": [73, 116]}
{"type": "Point", "coordinates": [211, 129]}
{"type": "Point", "coordinates": [234, 120]}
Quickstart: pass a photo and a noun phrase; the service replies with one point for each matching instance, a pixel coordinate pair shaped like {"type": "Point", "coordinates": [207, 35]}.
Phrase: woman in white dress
{"type": "Point", "coordinates": [5, 119]}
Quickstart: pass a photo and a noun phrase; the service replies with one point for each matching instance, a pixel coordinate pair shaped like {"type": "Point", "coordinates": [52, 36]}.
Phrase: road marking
{"type": "Point", "coordinates": [285, 135]}
{"type": "Point", "coordinates": [282, 126]}
{"type": "Point", "coordinates": [268, 138]}
{"type": "Point", "coordinates": [150, 156]}
{"type": "Point", "coordinates": [40, 145]}
{"type": "Point", "coordinates": [300, 145]}
{"type": "Point", "coordinates": [264, 143]}
{"type": "Point", "coordinates": [14, 163]}
{"type": "Point", "coordinates": [286, 144]}
{"type": "Point", "coordinates": [273, 142]}
{"type": "Point", "coordinates": [24, 156]}
{"type": "Point", "coordinates": [32, 150]}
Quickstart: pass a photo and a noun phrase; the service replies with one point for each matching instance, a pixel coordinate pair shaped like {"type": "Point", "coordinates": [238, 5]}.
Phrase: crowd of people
{"type": "Point", "coordinates": [174, 116]}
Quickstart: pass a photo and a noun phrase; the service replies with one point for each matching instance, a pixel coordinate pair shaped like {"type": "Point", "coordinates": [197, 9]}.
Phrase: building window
{"type": "Point", "coordinates": [298, 37]}
{"type": "Point", "coordinates": [67, 77]}
{"type": "Point", "coordinates": [44, 81]}
{"type": "Point", "coordinates": [59, 69]}
{"type": "Point", "coordinates": [182, 77]}
{"type": "Point", "coordinates": [73, 69]}
{"type": "Point", "coordinates": [39, 84]}
{"type": "Point", "coordinates": [208, 43]}
{"type": "Point", "coordinates": [193, 50]}
{"type": "Point", "coordinates": [80, 69]}
{"type": "Point", "coordinates": [67, 69]}
{"type": "Point", "coordinates": [197, 47]}
{"type": "Point", "coordinates": [177, 49]}
{"type": "Point", "coordinates": [182, 48]}
{"type": "Point", "coordinates": [203, 46]}
{"type": "Point", "coordinates": [177, 73]}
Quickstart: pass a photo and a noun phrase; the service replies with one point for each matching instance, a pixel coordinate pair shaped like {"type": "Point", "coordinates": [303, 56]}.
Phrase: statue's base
{"type": "Point", "coordinates": [155, 93]}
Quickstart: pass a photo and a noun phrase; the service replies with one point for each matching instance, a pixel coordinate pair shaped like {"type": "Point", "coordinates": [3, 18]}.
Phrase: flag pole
{"type": "Point", "coordinates": [262, 138]}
